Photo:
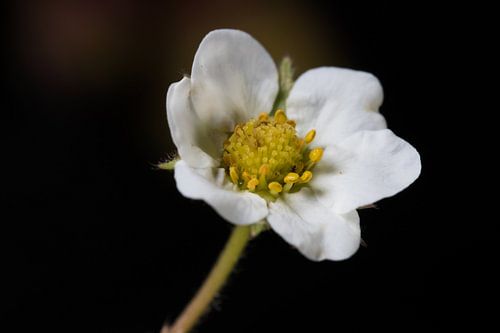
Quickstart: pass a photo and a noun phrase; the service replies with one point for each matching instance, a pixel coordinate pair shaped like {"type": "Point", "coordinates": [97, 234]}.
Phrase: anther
{"type": "Point", "coordinates": [263, 117]}
{"type": "Point", "coordinates": [233, 174]}
{"type": "Point", "coordinates": [252, 183]}
{"type": "Point", "coordinates": [280, 116]}
{"type": "Point", "coordinates": [316, 154]}
{"type": "Point", "coordinates": [306, 177]}
{"type": "Point", "coordinates": [291, 178]}
{"type": "Point", "coordinates": [291, 122]}
{"type": "Point", "coordinates": [275, 187]}
{"type": "Point", "coordinates": [310, 136]}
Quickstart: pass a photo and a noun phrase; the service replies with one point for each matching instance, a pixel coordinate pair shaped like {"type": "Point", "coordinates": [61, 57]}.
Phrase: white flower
{"type": "Point", "coordinates": [305, 172]}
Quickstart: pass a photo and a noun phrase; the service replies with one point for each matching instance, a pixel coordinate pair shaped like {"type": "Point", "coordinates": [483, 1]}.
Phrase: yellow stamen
{"type": "Point", "coordinates": [246, 176]}
{"type": "Point", "coordinates": [280, 116]}
{"type": "Point", "coordinates": [291, 178]}
{"type": "Point", "coordinates": [266, 155]}
{"type": "Point", "coordinates": [316, 154]}
{"type": "Point", "coordinates": [263, 117]}
{"type": "Point", "coordinates": [275, 187]}
{"type": "Point", "coordinates": [300, 143]}
{"type": "Point", "coordinates": [310, 136]}
{"type": "Point", "coordinates": [299, 167]}
{"type": "Point", "coordinates": [252, 183]}
{"type": "Point", "coordinates": [306, 177]}
{"type": "Point", "coordinates": [264, 169]}
{"type": "Point", "coordinates": [233, 174]}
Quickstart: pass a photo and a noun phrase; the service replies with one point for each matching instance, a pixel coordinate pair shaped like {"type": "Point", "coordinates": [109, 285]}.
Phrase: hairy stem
{"type": "Point", "coordinates": [213, 283]}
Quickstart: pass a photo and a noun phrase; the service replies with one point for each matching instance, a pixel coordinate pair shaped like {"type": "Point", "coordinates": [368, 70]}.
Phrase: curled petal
{"type": "Point", "coordinates": [189, 136]}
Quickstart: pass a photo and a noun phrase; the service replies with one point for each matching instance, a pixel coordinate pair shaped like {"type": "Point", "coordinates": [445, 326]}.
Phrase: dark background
{"type": "Point", "coordinates": [94, 239]}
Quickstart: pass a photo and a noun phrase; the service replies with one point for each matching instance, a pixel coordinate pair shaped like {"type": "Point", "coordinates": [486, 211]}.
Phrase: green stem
{"type": "Point", "coordinates": [214, 282]}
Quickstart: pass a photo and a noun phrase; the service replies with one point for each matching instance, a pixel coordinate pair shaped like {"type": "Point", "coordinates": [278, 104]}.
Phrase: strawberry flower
{"type": "Point", "coordinates": [303, 164]}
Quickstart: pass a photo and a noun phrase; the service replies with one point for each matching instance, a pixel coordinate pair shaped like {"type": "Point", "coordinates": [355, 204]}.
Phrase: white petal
{"type": "Point", "coordinates": [364, 168]}
{"type": "Point", "coordinates": [317, 232]}
{"type": "Point", "coordinates": [187, 133]}
{"type": "Point", "coordinates": [211, 186]}
{"type": "Point", "coordinates": [233, 79]}
{"type": "Point", "coordinates": [336, 102]}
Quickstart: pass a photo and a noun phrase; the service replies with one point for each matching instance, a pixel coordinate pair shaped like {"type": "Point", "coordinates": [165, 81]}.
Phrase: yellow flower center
{"type": "Point", "coordinates": [265, 155]}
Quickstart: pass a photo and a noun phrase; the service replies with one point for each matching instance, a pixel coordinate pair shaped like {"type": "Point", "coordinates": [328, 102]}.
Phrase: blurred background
{"type": "Point", "coordinates": [90, 241]}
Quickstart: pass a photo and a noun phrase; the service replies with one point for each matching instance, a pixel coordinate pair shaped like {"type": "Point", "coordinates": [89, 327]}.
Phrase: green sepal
{"type": "Point", "coordinates": [257, 228]}
{"type": "Point", "coordinates": [286, 74]}
{"type": "Point", "coordinates": [169, 164]}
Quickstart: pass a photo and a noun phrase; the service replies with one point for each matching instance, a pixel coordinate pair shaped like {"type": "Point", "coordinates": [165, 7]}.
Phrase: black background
{"type": "Point", "coordinates": [94, 239]}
